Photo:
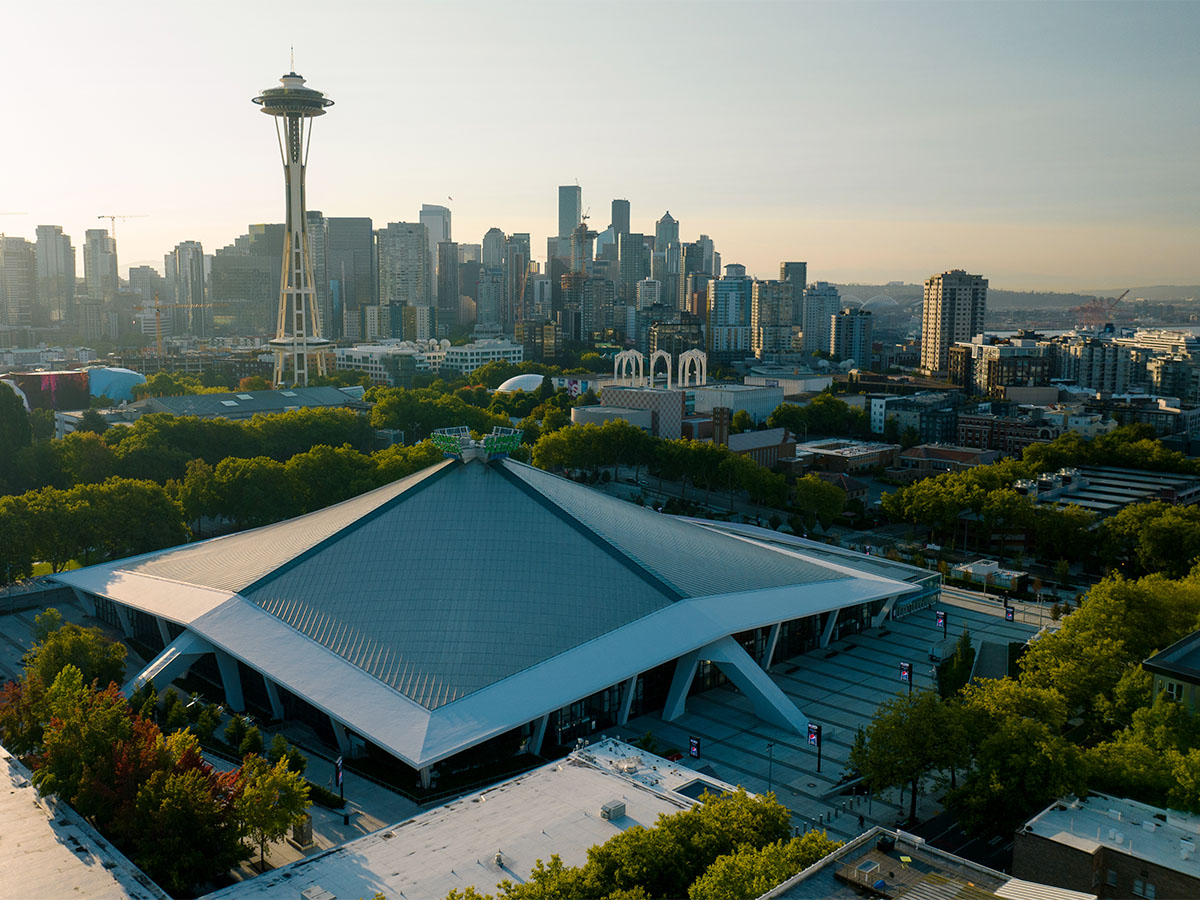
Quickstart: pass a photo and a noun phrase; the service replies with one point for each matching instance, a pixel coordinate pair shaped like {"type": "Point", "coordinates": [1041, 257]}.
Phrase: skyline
{"type": "Point", "coordinates": [1068, 166]}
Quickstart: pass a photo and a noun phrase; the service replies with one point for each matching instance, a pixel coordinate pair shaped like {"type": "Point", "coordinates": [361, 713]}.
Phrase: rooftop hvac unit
{"type": "Point", "coordinates": [613, 809]}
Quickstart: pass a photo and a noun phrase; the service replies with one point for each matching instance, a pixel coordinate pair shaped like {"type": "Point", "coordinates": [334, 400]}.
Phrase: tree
{"type": "Point", "coordinates": [897, 749]}
{"type": "Point", "coordinates": [954, 673]}
{"type": "Point", "coordinates": [751, 873]}
{"type": "Point", "coordinates": [820, 501]}
{"type": "Point", "coordinates": [740, 422]}
{"type": "Point", "coordinates": [91, 421]}
{"type": "Point", "coordinates": [254, 383]}
{"type": "Point", "coordinates": [254, 491]}
{"type": "Point", "coordinates": [94, 656]}
{"type": "Point", "coordinates": [16, 433]}
{"type": "Point", "coordinates": [252, 742]}
{"type": "Point", "coordinates": [272, 799]}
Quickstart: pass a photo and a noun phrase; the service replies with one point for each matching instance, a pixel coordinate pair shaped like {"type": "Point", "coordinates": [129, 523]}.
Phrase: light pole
{"type": "Point", "coordinates": [770, 764]}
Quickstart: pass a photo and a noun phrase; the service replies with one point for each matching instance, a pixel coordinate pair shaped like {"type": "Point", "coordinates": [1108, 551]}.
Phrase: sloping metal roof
{"type": "Point", "coordinates": [236, 561]}
{"type": "Point", "coordinates": [695, 561]}
{"type": "Point", "coordinates": [460, 584]}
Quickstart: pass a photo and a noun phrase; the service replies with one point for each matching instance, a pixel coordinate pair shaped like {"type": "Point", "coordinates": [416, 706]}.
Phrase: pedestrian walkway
{"type": "Point", "coordinates": [839, 687]}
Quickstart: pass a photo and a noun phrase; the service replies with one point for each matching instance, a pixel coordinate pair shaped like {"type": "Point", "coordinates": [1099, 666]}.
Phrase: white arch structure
{"type": "Point", "coordinates": [628, 364]}
{"type": "Point", "coordinates": [693, 361]}
{"type": "Point", "coordinates": [654, 358]}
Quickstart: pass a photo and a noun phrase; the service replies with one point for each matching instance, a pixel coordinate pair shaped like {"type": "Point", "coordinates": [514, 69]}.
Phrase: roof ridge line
{"type": "Point", "coordinates": [352, 526]}
{"type": "Point", "coordinates": [636, 566]}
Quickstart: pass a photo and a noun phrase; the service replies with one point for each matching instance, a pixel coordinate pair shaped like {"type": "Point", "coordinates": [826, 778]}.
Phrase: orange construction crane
{"type": "Point", "coordinates": [159, 307]}
{"type": "Point", "coordinates": [1097, 311]}
{"type": "Point", "coordinates": [113, 222]}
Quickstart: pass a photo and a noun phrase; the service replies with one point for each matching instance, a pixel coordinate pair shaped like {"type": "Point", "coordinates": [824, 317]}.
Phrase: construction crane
{"type": "Point", "coordinates": [1097, 311]}
{"type": "Point", "coordinates": [159, 307]}
{"type": "Point", "coordinates": [113, 222]}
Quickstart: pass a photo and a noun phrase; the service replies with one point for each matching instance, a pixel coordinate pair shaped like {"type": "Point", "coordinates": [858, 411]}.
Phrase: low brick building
{"type": "Point", "coordinates": [1112, 847]}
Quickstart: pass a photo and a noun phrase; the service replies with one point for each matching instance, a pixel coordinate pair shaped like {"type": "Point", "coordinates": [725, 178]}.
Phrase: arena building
{"type": "Point", "coordinates": [485, 600]}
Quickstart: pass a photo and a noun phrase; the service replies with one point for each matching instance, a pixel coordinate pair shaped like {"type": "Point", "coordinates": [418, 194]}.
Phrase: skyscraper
{"type": "Point", "coordinates": [55, 272]}
{"type": "Point", "coordinates": [821, 301]}
{"type": "Point", "coordinates": [436, 220]}
{"type": "Point", "coordinates": [570, 209]}
{"type": "Point", "coordinates": [404, 276]}
{"type": "Point", "coordinates": [449, 286]}
{"type": "Point", "coordinates": [666, 232]}
{"type": "Point", "coordinates": [187, 266]}
{"type": "Point", "coordinates": [955, 303]}
{"type": "Point", "coordinates": [493, 247]}
{"type": "Point", "coordinates": [293, 106]}
{"type": "Point", "coordinates": [318, 248]}
{"type": "Point", "coordinates": [100, 265]}
{"type": "Point", "coordinates": [18, 281]}
{"type": "Point", "coordinates": [620, 216]}
{"type": "Point", "coordinates": [633, 255]}
{"type": "Point", "coordinates": [350, 265]}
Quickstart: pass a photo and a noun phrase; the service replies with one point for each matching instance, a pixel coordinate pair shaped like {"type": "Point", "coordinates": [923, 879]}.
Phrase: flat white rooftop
{"type": "Point", "coordinates": [553, 809]}
{"type": "Point", "coordinates": [48, 850]}
{"type": "Point", "coordinates": [1164, 837]}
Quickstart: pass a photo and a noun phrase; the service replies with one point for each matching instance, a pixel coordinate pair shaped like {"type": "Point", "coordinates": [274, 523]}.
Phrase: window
{"type": "Point", "coordinates": [1173, 690]}
{"type": "Point", "coordinates": [1143, 889]}
{"type": "Point", "coordinates": [1112, 878]}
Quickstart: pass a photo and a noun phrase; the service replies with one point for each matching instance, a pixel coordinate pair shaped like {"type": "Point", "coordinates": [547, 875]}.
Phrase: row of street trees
{"type": "Point", "coordinates": [151, 794]}
{"type": "Point", "coordinates": [1011, 739]}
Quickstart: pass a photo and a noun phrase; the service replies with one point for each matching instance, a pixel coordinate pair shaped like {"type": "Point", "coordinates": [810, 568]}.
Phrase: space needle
{"type": "Point", "coordinates": [299, 331]}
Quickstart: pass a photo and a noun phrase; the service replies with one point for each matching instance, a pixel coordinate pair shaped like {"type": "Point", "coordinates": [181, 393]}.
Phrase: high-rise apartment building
{"type": "Point", "coordinates": [796, 274]}
{"type": "Point", "coordinates": [821, 301]}
{"type": "Point", "coordinates": [490, 295]}
{"type": "Point", "coordinates": [850, 336]}
{"type": "Point", "coordinates": [570, 209]}
{"type": "Point", "coordinates": [770, 318]}
{"type": "Point", "coordinates": [244, 281]}
{"type": "Point", "coordinates": [404, 276]}
{"type": "Point", "coordinates": [148, 285]}
{"type": "Point", "coordinates": [728, 315]}
{"type": "Point", "coordinates": [955, 303]}
{"type": "Point", "coordinates": [55, 273]}
{"type": "Point", "coordinates": [100, 265]}
{"type": "Point", "coordinates": [648, 292]}
{"type": "Point", "coordinates": [18, 281]}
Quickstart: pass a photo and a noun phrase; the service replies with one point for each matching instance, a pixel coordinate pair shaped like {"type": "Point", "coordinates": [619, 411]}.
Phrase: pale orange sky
{"type": "Point", "coordinates": [1048, 146]}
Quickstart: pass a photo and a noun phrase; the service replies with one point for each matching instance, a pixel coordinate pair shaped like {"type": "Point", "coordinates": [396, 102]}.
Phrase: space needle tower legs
{"type": "Point", "coordinates": [299, 328]}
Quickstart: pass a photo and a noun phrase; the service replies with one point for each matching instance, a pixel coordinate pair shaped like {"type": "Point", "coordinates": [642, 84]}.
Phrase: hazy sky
{"type": "Point", "coordinates": [1043, 145]}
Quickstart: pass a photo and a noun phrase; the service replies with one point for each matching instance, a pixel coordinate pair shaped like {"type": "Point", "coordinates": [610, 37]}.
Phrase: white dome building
{"type": "Point", "coordinates": [530, 381]}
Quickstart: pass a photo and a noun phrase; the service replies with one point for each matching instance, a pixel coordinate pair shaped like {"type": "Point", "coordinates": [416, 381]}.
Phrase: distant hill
{"type": "Point", "coordinates": [998, 298]}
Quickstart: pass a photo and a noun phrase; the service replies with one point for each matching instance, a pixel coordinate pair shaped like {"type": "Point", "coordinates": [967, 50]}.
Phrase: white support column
{"type": "Point", "coordinates": [273, 698]}
{"type": "Point", "coordinates": [772, 643]}
{"type": "Point", "coordinates": [163, 631]}
{"type": "Point", "coordinates": [539, 735]}
{"type": "Point", "coordinates": [123, 618]}
{"type": "Point", "coordinates": [681, 683]}
{"type": "Point", "coordinates": [343, 739]}
{"type": "Point", "coordinates": [885, 611]}
{"type": "Point", "coordinates": [426, 776]}
{"type": "Point", "coordinates": [231, 680]}
{"type": "Point", "coordinates": [86, 600]}
{"type": "Point", "coordinates": [827, 634]}
{"type": "Point", "coordinates": [176, 658]}
{"type": "Point", "coordinates": [627, 693]}
{"type": "Point", "coordinates": [770, 703]}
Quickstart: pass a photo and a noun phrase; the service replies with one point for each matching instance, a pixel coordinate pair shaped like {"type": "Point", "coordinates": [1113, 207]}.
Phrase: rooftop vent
{"type": "Point", "coordinates": [613, 809]}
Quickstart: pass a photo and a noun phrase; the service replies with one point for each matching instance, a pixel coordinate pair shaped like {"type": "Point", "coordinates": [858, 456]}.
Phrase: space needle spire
{"type": "Point", "coordinates": [299, 331]}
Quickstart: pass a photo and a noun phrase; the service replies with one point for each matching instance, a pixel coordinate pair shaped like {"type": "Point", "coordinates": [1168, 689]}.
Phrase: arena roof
{"type": "Point", "coordinates": [473, 597]}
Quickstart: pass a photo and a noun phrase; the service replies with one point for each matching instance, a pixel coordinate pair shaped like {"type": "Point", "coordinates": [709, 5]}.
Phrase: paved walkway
{"type": "Point", "coordinates": [840, 688]}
